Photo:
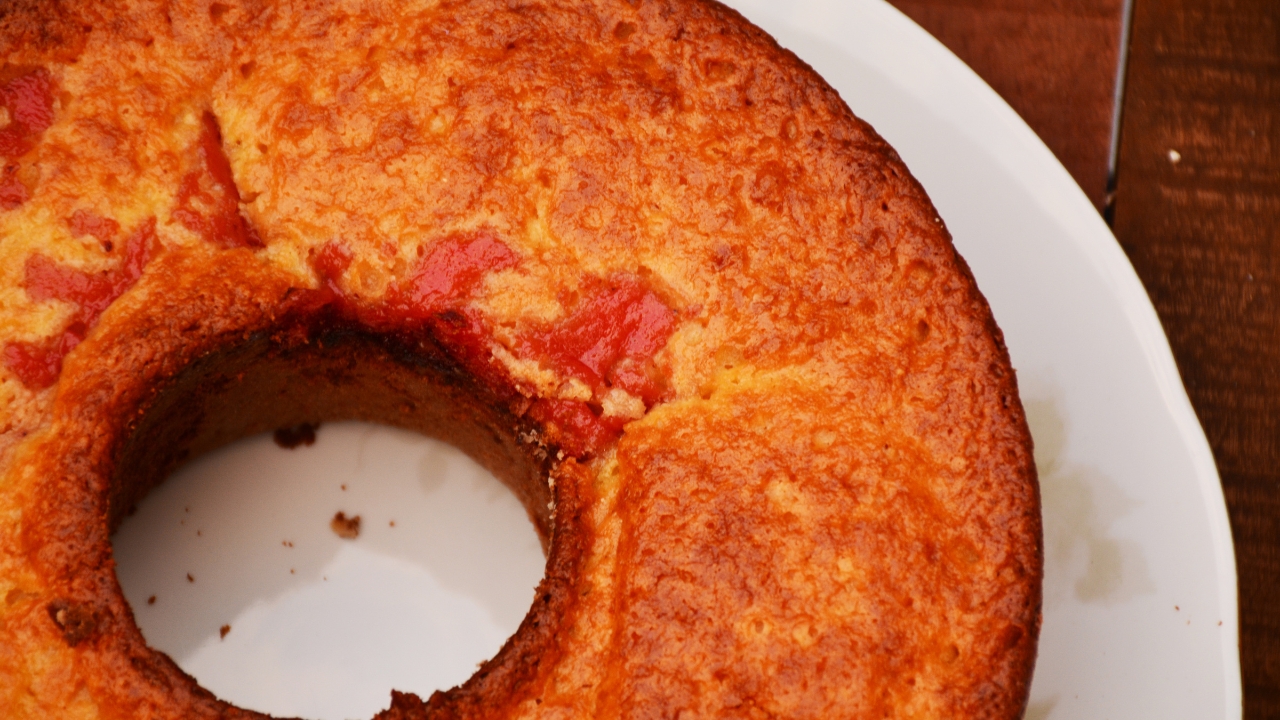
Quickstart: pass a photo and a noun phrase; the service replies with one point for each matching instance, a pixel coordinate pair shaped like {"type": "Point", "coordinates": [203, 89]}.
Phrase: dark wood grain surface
{"type": "Point", "coordinates": [1196, 206]}
{"type": "Point", "coordinates": [1054, 61]}
{"type": "Point", "coordinates": [1197, 209]}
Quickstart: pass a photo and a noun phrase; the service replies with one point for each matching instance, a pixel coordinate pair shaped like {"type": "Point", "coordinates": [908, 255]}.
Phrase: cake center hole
{"type": "Point", "coordinates": [240, 569]}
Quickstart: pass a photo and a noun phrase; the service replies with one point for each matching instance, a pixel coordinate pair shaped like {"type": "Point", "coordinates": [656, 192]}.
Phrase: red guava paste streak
{"type": "Point", "coordinates": [209, 201]}
{"type": "Point", "coordinates": [38, 364]}
{"type": "Point", "coordinates": [330, 263]}
{"type": "Point", "coordinates": [431, 297]}
{"type": "Point", "coordinates": [83, 222]}
{"type": "Point", "coordinates": [609, 339]}
{"type": "Point", "coordinates": [28, 100]}
{"type": "Point", "coordinates": [448, 274]}
{"type": "Point", "coordinates": [581, 431]}
{"type": "Point", "coordinates": [12, 192]}
{"type": "Point", "coordinates": [451, 270]}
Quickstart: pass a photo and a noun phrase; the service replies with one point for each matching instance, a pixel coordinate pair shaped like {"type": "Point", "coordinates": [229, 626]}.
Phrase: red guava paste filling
{"type": "Point", "coordinates": [12, 192]}
{"type": "Point", "coordinates": [28, 102]}
{"type": "Point", "coordinates": [431, 297]}
{"type": "Point", "coordinates": [38, 364]}
{"type": "Point", "coordinates": [28, 99]}
{"type": "Point", "coordinates": [209, 201]}
{"type": "Point", "coordinates": [83, 222]}
{"type": "Point", "coordinates": [578, 429]}
{"type": "Point", "coordinates": [450, 270]}
{"type": "Point", "coordinates": [447, 275]}
{"type": "Point", "coordinates": [330, 264]}
{"type": "Point", "coordinates": [609, 340]}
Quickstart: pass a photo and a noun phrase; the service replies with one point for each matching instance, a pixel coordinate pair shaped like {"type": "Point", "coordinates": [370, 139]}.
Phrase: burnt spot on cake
{"type": "Point", "coordinates": [217, 10]}
{"type": "Point", "coordinates": [295, 435]}
{"type": "Point", "coordinates": [404, 706]}
{"type": "Point", "coordinates": [77, 621]}
{"type": "Point", "coordinates": [347, 528]}
{"type": "Point", "coordinates": [54, 28]}
{"type": "Point", "coordinates": [624, 30]}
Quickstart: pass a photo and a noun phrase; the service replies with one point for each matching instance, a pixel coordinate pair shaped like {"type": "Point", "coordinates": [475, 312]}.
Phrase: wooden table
{"type": "Point", "coordinates": [1194, 199]}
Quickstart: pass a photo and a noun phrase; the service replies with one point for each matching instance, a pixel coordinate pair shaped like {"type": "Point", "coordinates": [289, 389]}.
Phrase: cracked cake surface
{"type": "Point", "coordinates": [639, 261]}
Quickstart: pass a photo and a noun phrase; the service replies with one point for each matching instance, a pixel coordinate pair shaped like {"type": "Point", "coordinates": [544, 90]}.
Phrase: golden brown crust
{"type": "Point", "coordinates": [52, 28]}
{"type": "Point", "coordinates": [791, 476]}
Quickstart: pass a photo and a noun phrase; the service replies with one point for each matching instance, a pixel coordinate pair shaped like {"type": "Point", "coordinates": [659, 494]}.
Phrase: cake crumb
{"type": "Point", "coordinates": [222, 631]}
{"type": "Point", "coordinates": [151, 600]}
{"type": "Point", "coordinates": [295, 435]}
{"type": "Point", "coordinates": [347, 528]}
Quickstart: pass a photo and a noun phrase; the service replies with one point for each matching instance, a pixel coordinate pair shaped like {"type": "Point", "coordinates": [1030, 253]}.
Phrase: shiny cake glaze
{"type": "Point", "coordinates": [632, 256]}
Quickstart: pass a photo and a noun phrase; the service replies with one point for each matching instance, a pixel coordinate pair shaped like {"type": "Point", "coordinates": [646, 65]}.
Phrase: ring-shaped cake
{"type": "Point", "coordinates": [633, 257]}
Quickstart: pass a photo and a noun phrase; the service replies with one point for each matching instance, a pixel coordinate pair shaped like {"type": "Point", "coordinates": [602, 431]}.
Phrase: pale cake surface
{"type": "Point", "coordinates": [829, 509]}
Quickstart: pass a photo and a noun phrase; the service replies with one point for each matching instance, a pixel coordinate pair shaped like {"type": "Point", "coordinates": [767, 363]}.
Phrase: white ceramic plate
{"type": "Point", "coordinates": [1140, 589]}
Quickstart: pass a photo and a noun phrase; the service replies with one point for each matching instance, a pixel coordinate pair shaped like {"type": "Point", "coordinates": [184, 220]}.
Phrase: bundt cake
{"type": "Point", "coordinates": [633, 257]}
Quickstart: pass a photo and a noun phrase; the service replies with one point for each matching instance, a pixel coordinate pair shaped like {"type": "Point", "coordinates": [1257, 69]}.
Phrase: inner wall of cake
{"type": "Point", "coordinates": [824, 473]}
{"type": "Point", "coordinates": [335, 374]}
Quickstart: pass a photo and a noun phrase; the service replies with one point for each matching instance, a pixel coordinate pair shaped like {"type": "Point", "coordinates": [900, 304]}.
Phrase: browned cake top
{"type": "Point", "coordinates": [804, 477]}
